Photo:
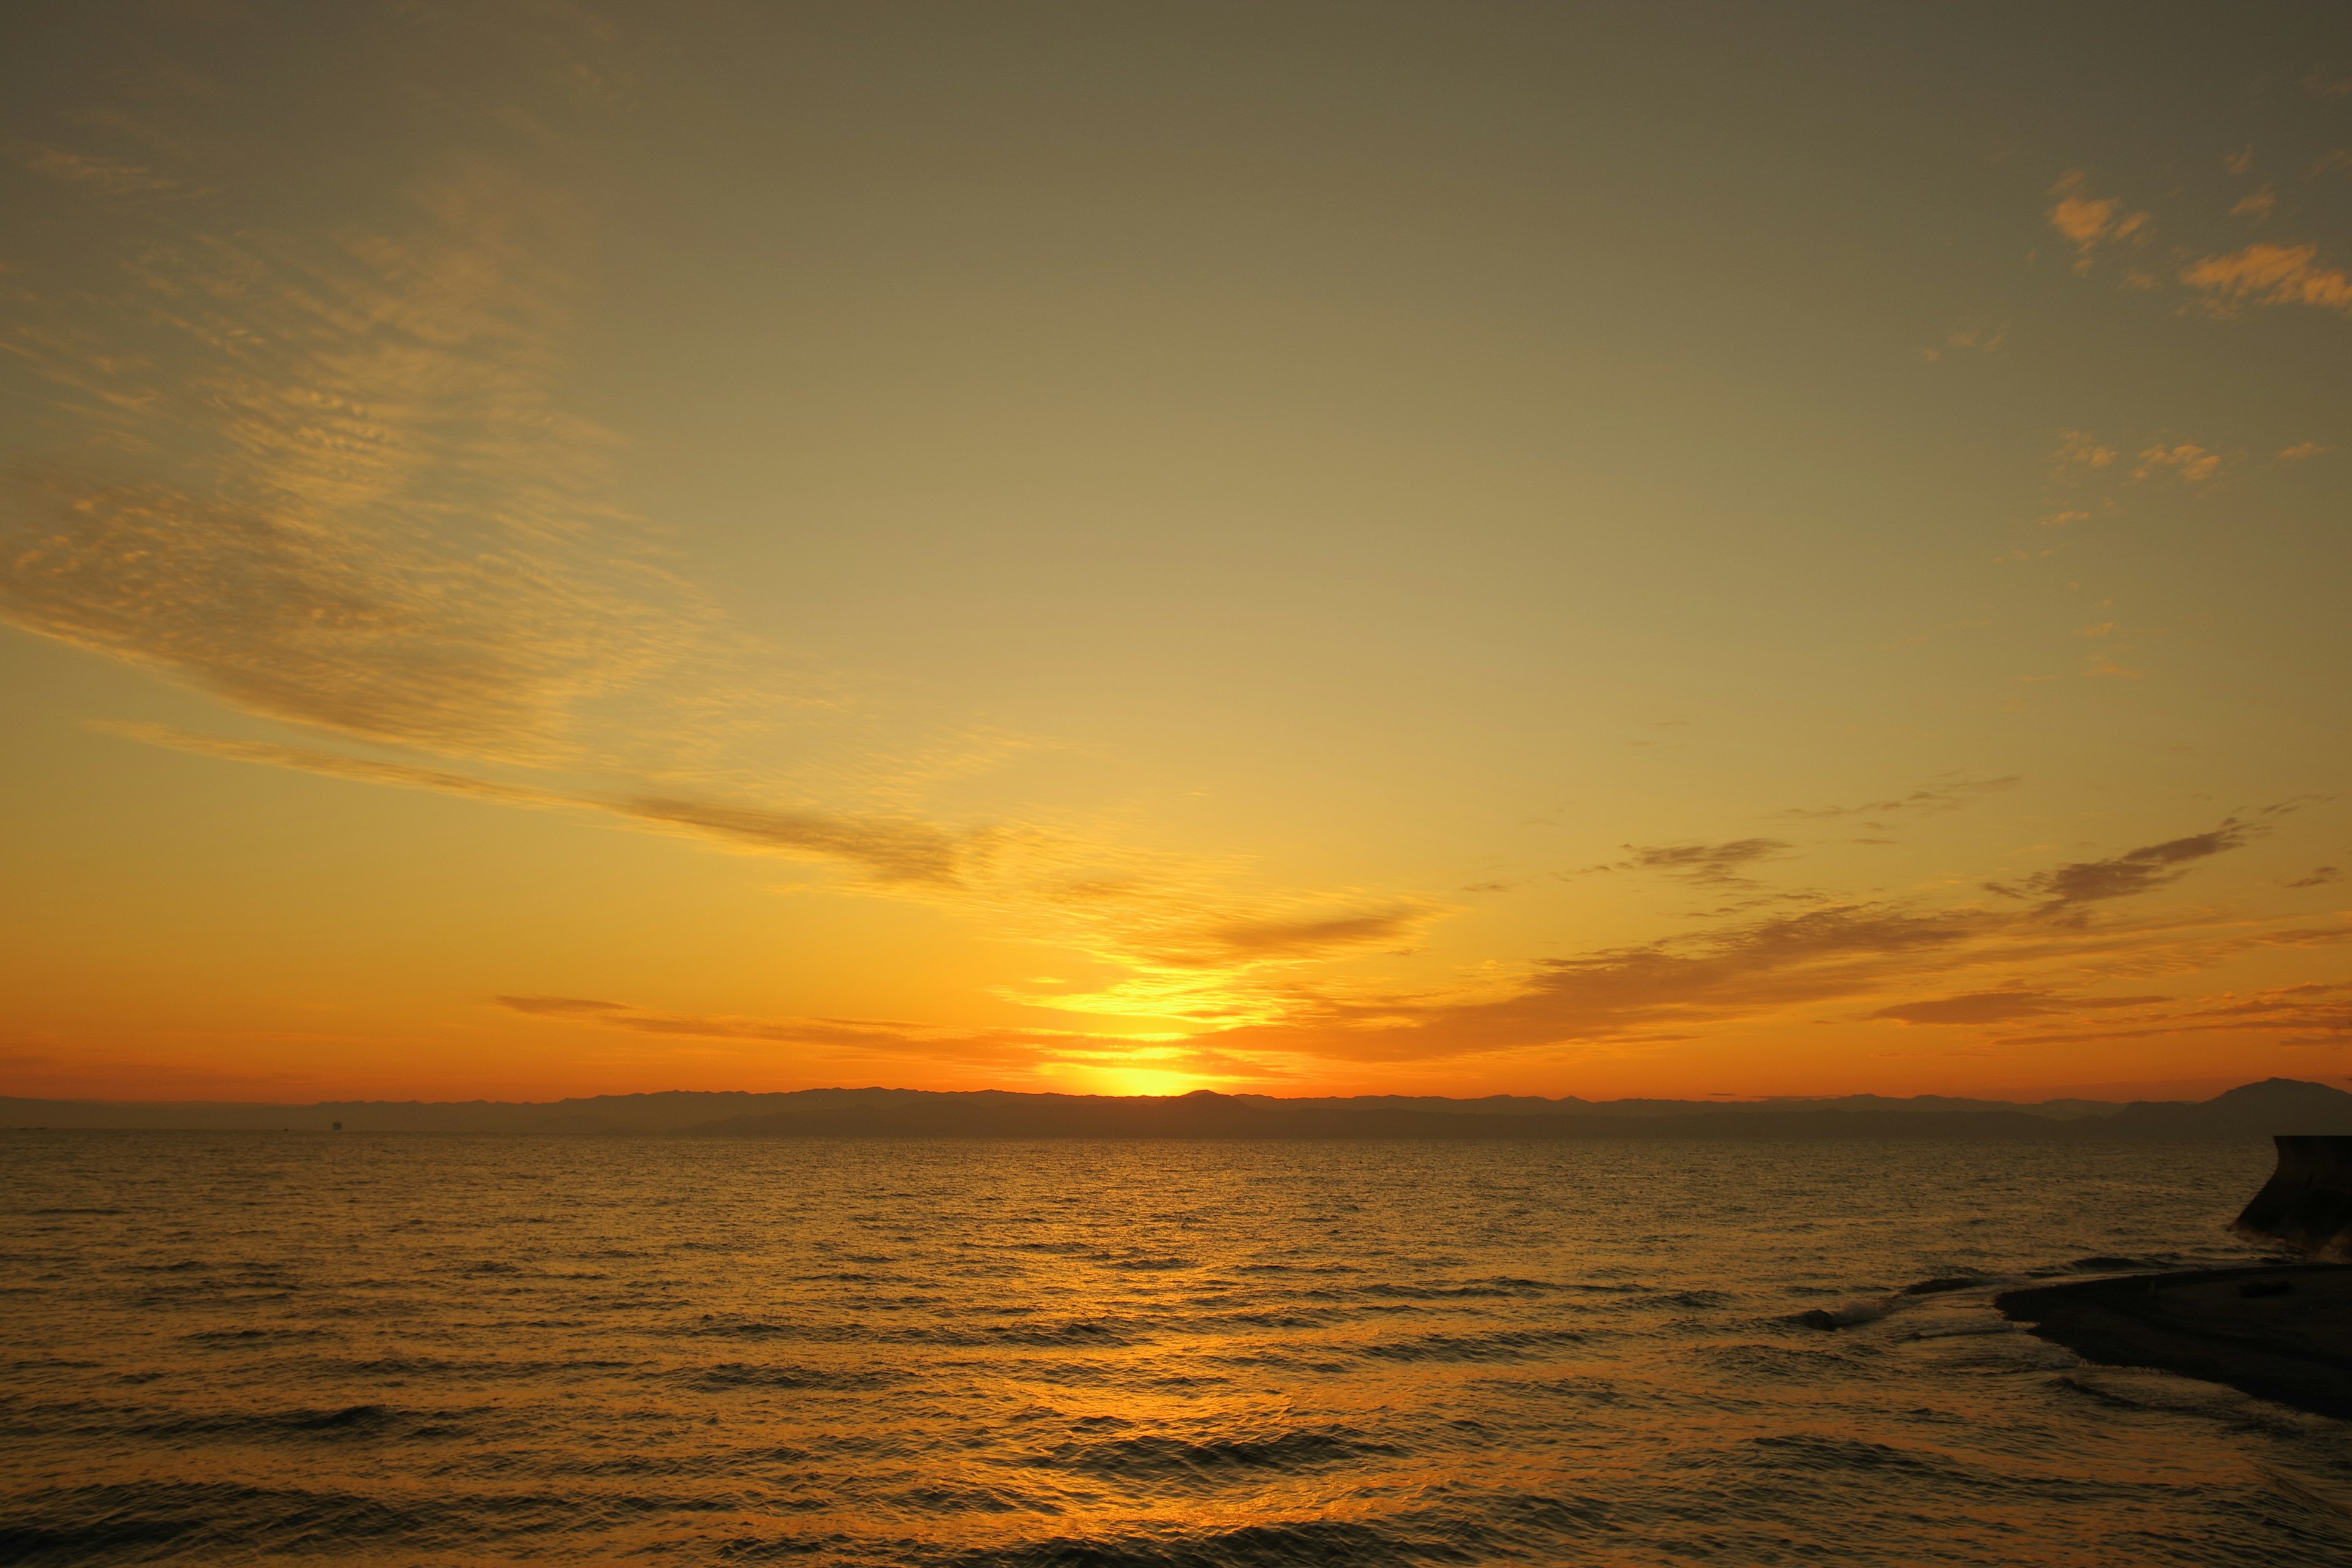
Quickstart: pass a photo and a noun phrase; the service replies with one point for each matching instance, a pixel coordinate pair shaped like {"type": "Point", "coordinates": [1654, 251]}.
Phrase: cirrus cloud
{"type": "Point", "coordinates": [2269, 275]}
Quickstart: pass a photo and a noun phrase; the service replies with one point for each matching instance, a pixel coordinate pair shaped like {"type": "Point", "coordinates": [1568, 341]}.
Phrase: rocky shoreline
{"type": "Point", "coordinates": [2280, 1331]}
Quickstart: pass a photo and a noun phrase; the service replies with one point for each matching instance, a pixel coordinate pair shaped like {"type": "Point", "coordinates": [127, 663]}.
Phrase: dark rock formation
{"type": "Point", "coordinates": [2307, 1202]}
{"type": "Point", "coordinates": [2281, 1333]}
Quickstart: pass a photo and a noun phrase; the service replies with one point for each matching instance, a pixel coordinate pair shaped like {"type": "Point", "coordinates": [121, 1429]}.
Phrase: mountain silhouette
{"type": "Point", "coordinates": [2251, 1110]}
{"type": "Point", "coordinates": [2262, 1110]}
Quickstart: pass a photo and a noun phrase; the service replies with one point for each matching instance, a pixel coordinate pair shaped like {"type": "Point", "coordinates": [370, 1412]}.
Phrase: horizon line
{"type": "Point", "coordinates": [1720, 1100]}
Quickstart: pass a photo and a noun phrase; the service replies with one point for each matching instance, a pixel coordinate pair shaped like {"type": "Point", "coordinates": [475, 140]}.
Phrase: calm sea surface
{"type": "Point", "coordinates": [234, 1347]}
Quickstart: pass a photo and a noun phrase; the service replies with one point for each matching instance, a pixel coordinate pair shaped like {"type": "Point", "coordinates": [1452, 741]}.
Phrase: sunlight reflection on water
{"type": "Point", "coordinates": [443, 1350]}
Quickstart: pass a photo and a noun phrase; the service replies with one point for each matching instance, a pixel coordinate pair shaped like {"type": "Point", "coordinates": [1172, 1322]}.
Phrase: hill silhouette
{"type": "Point", "coordinates": [2250, 1111]}
{"type": "Point", "coordinates": [2262, 1110]}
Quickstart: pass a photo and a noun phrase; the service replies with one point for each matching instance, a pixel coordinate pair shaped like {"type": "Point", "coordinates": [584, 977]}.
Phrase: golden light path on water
{"type": "Point", "coordinates": [430, 1350]}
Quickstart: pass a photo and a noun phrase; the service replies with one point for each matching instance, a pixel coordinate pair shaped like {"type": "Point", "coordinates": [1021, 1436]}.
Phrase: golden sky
{"type": "Point", "coordinates": [1305, 548]}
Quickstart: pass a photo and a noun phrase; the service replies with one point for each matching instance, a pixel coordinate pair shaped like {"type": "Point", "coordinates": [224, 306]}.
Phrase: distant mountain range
{"type": "Point", "coordinates": [2251, 1110]}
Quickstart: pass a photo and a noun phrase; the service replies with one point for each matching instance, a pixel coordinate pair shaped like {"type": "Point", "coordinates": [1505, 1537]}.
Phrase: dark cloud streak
{"type": "Point", "coordinates": [2001, 1006]}
{"type": "Point", "coordinates": [1702, 864]}
{"type": "Point", "coordinates": [1933, 798]}
{"type": "Point", "coordinates": [2064, 888]}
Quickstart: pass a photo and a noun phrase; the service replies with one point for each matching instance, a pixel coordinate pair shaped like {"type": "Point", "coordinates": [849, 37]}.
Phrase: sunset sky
{"type": "Point", "coordinates": [1301, 548]}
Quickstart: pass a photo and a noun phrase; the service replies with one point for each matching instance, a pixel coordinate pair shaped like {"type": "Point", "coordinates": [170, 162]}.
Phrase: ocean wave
{"type": "Point", "coordinates": [1101, 1355]}
{"type": "Point", "coordinates": [1214, 1460]}
{"type": "Point", "coordinates": [1498, 1344]}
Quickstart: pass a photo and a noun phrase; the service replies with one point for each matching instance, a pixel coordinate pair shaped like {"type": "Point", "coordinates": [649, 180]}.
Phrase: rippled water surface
{"type": "Point", "coordinates": [435, 1350]}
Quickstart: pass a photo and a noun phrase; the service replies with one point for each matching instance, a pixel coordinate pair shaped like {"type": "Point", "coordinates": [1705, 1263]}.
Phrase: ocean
{"type": "Point", "coordinates": [411, 1349]}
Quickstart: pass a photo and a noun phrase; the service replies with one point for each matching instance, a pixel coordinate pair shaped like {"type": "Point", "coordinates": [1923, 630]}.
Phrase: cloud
{"type": "Point", "coordinates": [105, 176]}
{"type": "Point", "coordinates": [323, 470]}
{"type": "Point", "coordinates": [1193, 948]}
{"type": "Point", "coordinates": [1765, 977]}
{"type": "Point", "coordinates": [890, 851]}
{"type": "Point", "coordinates": [1985, 965]}
{"type": "Point", "coordinates": [1654, 992]}
{"type": "Point", "coordinates": [886, 849]}
{"type": "Point", "coordinates": [557, 1006]}
{"type": "Point", "coordinates": [2188, 461]}
{"type": "Point", "coordinates": [2087, 222]}
{"type": "Point", "coordinates": [1271, 938]}
{"type": "Point", "coordinates": [721, 1027]}
{"type": "Point", "coordinates": [2257, 206]}
{"type": "Point", "coordinates": [2078, 450]}
{"type": "Point", "coordinates": [2320, 877]}
{"type": "Point", "coordinates": [2000, 1006]}
{"type": "Point", "coordinates": [1932, 799]}
{"type": "Point", "coordinates": [1702, 864]}
{"type": "Point", "coordinates": [2301, 450]}
{"type": "Point", "coordinates": [2312, 1013]}
{"type": "Point", "coordinates": [2145, 870]}
{"type": "Point", "coordinates": [2269, 275]}
{"type": "Point", "coordinates": [1020, 1052]}
{"type": "Point", "coordinates": [1976, 340]}
{"type": "Point", "coordinates": [373, 527]}
{"type": "Point", "coordinates": [330, 765]}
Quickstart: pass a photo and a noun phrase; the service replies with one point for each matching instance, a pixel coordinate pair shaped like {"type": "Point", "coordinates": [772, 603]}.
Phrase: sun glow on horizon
{"type": "Point", "coordinates": [774, 545]}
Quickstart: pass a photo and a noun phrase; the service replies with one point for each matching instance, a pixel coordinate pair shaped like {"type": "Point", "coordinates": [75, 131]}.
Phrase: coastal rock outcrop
{"type": "Point", "coordinates": [2280, 1331]}
{"type": "Point", "coordinates": [2282, 1334]}
{"type": "Point", "coordinates": [2307, 1202]}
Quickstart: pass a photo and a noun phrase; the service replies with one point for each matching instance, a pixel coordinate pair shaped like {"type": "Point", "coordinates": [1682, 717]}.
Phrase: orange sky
{"type": "Point", "coordinates": [1311, 548]}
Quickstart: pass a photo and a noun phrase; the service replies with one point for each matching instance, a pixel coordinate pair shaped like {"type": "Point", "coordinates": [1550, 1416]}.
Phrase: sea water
{"type": "Point", "coordinates": [223, 1348]}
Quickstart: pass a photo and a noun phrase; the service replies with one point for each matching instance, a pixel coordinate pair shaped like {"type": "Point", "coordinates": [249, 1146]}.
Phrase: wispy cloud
{"type": "Point", "coordinates": [2001, 1006]}
{"type": "Point", "coordinates": [825, 1044]}
{"type": "Point", "coordinates": [1192, 947]}
{"type": "Point", "coordinates": [329, 482]}
{"type": "Point", "coordinates": [1758, 975]}
{"type": "Point", "coordinates": [1980, 339]}
{"type": "Point", "coordinates": [2312, 1013]}
{"type": "Point", "coordinates": [2078, 451]}
{"type": "Point", "coordinates": [315, 457]}
{"type": "Point", "coordinates": [1753, 979]}
{"type": "Point", "coordinates": [1701, 864]}
{"type": "Point", "coordinates": [2269, 275]}
{"type": "Point", "coordinates": [1929, 800]}
{"type": "Point", "coordinates": [2064, 888]}
{"type": "Point", "coordinates": [2050, 955]}
{"type": "Point", "coordinates": [890, 851]}
{"type": "Point", "coordinates": [1310, 936]}
{"type": "Point", "coordinates": [2089, 222]}
{"type": "Point", "coordinates": [2185, 460]}
{"type": "Point", "coordinates": [885, 849]}
{"type": "Point", "coordinates": [106, 176]}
